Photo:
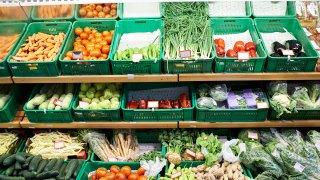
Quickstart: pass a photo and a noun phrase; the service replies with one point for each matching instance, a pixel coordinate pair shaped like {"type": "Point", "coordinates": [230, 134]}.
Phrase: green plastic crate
{"type": "Point", "coordinates": [86, 67]}
{"type": "Point", "coordinates": [34, 16]}
{"type": "Point", "coordinates": [8, 112]}
{"type": "Point", "coordinates": [121, 6]}
{"type": "Point", "coordinates": [291, 11]}
{"type": "Point", "coordinates": [48, 116]}
{"type": "Point", "coordinates": [30, 69]}
{"type": "Point", "coordinates": [142, 137]}
{"type": "Point", "coordinates": [227, 26]}
{"type": "Point", "coordinates": [231, 115]}
{"type": "Point", "coordinates": [79, 18]}
{"type": "Point", "coordinates": [282, 64]}
{"type": "Point", "coordinates": [8, 29]}
{"type": "Point", "coordinates": [101, 115]}
{"type": "Point", "coordinates": [188, 66]}
{"type": "Point", "coordinates": [161, 115]}
{"type": "Point", "coordinates": [26, 11]}
{"type": "Point", "coordinates": [248, 12]}
{"type": "Point", "coordinates": [144, 66]}
{"type": "Point", "coordinates": [303, 114]}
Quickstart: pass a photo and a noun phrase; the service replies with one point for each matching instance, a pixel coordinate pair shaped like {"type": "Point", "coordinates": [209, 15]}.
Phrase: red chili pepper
{"type": "Point", "coordinates": [239, 46]}
{"type": "Point", "coordinates": [253, 53]}
{"type": "Point", "coordinates": [250, 46]}
{"type": "Point", "coordinates": [167, 104]}
{"type": "Point", "coordinates": [142, 104]}
{"type": "Point", "coordinates": [161, 104]}
{"type": "Point", "coordinates": [189, 103]}
{"type": "Point", "coordinates": [220, 43]}
{"type": "Point", "coordinates": [220, 51]}
{"type": "Point", "coordinates": [175, 104]}
{"type": "Point", "coordinates": [183, 96]}
{"type": "Point", "coordinates": [133, 104]}
{"type": "Point", "coordinates": [183, 100]}
{"type": "Point", "coordinates": [232, 53]}
{"type": "Point", "coordinates": [128, 105]}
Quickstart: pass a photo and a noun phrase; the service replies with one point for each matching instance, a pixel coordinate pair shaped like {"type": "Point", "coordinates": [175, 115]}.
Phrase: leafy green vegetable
{"type": "Point", "coordinates": [206, 102]}
{"type": "Point", "coordinates": [212, 145]}
{"type": "Point", "coordinates": [314, 91]}
{"type": "Point", "coordinates": [244, 134]}
{"type": "Point", "coordinates": [314, 137]}
{"type": "Point", "coordinates": [174, 9]}
{"type": "Point", "coordinates": [151, 155]}
{"type": "Point", "coordinates": [274, 149]}
{"type": "Point", "coordinates": [302, 97]}
{"type": "Point", "coordinates": [282, 103]}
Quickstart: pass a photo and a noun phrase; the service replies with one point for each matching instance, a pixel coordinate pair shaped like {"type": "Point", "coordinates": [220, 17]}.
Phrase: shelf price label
{"type": "Point", "coordinates": [59, 144]}
{"type": "Point", "coordinates": [83, 104]}
{"type": "Point", "coordinates": [77, 55]}
{"type": "Point", "coordinates": [287, 52]}
{"type": "Point", "coordinates": [243, 56]}
{"type": "Point", "coordinates": [298, 167]}
{"type": "Point", "coordinates": [136, 57]}
{"type": "Point", "coordinates": [253, 135]}
{"type": "Point", "coordinates": [185, 54]}
{"type": "Point", "coordinates": [262, 105]}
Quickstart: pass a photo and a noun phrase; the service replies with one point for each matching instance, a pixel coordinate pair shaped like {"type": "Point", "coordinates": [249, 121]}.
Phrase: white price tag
{"type": "Point", "coordinates": [136, 57]}
{"type": "Point", "coordinates": [112, 159]}
{"type": "Point", "coordinates": [243, 56]}
{"type": "Point", "coordinates": [298, 167]}
{"type": "Point", "coordinates": [262, 105]}
{"type": "Point", "coordinates": [59, 145]}
{"type": "Point", "coordinates": [77, 55]}
{"type": "Point", "coordinates": [253, 135]}
{"type": "Point", "coordinates": [57, 102]}
{"type": "Point", "coordinates": [185, 54]}
{"type": "Point", "coordinates": [308, 33]}
{"type": "Point", "coordinates": [83, 104]}
{"type": "Point", "coordinates": [130, 76]}
{"type": "Point", "coordinates": [318, 145]}
{"type": "Point", "coordinates": [287, 52]}
{"type": "Point", "coordinates": [191, 153]}
{"type": "Point", "coordinates": [153, 104]}
{"type": "Point", "coordinates": [176, 175]}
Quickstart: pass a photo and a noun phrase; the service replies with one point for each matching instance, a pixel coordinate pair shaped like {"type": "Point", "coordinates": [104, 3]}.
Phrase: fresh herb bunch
{"type": "Point", "coordinates": [149, 156]}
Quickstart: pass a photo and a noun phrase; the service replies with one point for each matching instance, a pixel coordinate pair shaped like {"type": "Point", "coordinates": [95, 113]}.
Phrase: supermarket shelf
{"type": "Point", "coordinates": [265, 124]}
{"type": "Point", "coordinates": [250, 76]}
{"type": "Point", "coordinates": [99, 78]}
{"type": "Point", "coordinates": [16, 121]}
{"type": "Point", "coordinates": [25, 123]}
{"type": "Point", "coordinates": [5, 80]}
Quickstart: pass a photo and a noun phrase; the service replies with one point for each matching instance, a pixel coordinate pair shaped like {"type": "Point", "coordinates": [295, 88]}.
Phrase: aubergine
{"type": "Point", "coordinates": [275, 55]}
{"type": "Point", "coordinates": [301, 54]}
{"type": "Point", "coordinates": [277, 48]}
{"type": "Point", "coordinates": [294, 45]}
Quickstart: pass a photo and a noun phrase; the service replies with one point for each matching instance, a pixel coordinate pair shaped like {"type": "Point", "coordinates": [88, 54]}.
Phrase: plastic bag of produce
{"type": "Point", "coordinates": [314, 137]}
{"type": "Point", "coordinates": [300, 94]}
{"type": "Point", "coordinates": [274, 149]}
{"type": "Point", "coordinates": [278, 87]}
{"type": "Point", "coordinates": [97, 142]}
{"type": "Point", "coordinates": [203, 90]}
{"type": "Point", "coordinates": [153, 168]}
{"type": "Point", "coordinates": [206, 102]}
{"type": "Point", "coordinates": [231, 150]}
{"type": "Point", "coordinates": [219, 92]}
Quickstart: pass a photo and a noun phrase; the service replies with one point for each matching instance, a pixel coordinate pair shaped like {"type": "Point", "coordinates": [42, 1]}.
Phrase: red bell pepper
{"type": "Point", "coordinates": [142, 104]}
{"type": "Point", "coordinates": [239, 46]}
{"type": "Point", "coordinates": [167, 104]}
{"type": "Point", "coordinates": [128, 105]}
{"type": "Point", "coordinates": [232, 53]}
{"type": "Point", "coordinates": [133, 104]}
{"type": "Point", "coordinates": [161, 104]}
{"type": "Point", "coordinates": [189, 103]}
{"type": "Point", "coordinates": [175, 104]}
{"type": "Point", "coordinates": [250, 46]}
{"type": "Point", "coordinates": [183, 100]}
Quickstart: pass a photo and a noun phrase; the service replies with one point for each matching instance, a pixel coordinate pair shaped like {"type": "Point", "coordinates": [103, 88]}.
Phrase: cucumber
{"type": "Point", "coordinates": [29, 159]}
{"type": "Point", "coordinates": [10, 170]}
{"type": "Point", "coordinates": [17, 166]}
{"type": "Point", "coordinates": [4, 177]}
{"type": "Point", "coordinates": [58, 164]}
{"type": "Point", "coordinates": [71, 167]}
{"type": "Point", "coordinates": [25, 166]}
{"type": "Point", "coordinates": [25, 154]}
{"type": "Point", "coordinates": [2, 158]}
{"type": "Point", "coordinates": [29, 175]}
{"type": "Point", "coordinates": [42, 165]}
{"type": "Point", "coordinates": [9, 160]}
{"type": "Point", "coordinates": [34, 163]}
{"type": "Point", "coordinates": [46, 175]}
{"type": "Point", "coordinates": [61, 171]}
{"type": "Point", "coordinates": [15, 173]}
{"type": "Point", "coordinates": [80, 162]}
{"type": "Point", "coordinates": [50, 165]}
{"type": "Point", "coordinates": [21, 159]}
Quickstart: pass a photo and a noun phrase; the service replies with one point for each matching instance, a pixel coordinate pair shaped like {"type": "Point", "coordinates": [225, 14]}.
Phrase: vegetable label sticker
{"type": "Point", "coordinates": [153, 104]}
{"type": "Point", "coordinates": [298, 167]}
{"type": "Point", "coordinates": [262, 105]}
{"type": "Point", "coordinates": [77, 55]}
{"type": "Point", "coordinates": [253, 135]}
{"type": "Point", "coordinates": [83, 104]}
{"type": "Point", "coordinates": [57, 102]}
{"type": "Point", "coordinates": [59, 145]}
{"type": "Point", "coordinates": [287, 52]}
{"type": "Point", "coordinates": [185, 54]}
{"type": "Point", "coordinates": [243, 56]}
{"type": "Point", "coordinates": [136, 57]}
{"type": "Point", "coordinates": [178, 174]}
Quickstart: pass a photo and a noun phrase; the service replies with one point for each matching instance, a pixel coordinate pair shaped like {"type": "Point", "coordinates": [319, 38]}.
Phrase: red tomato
{"type": "Point", "coordinates": [105, 49]}
{"type": "Point", "coordinates": [114, 6]}
{"type": "Point", "coordinates": [232, 53]}
{"type": "Point", "coordinates": [111, 176]}
{"type": "Point", "coordinates": [120, 176]}
{"type": "Point", "coordinates": [253, 53]}
{"type": "Point", "coordinates": [108, 39]}
{"type": "Point", "coordinates": [126, 170]}
{"type": "Point", "coordinates": [101, 172]}
{"type": "Point", "coordinates": [250, 46]}
{"type": "Point", "coordinates": [220, 43]}
{"type": "Point", "coordinates": [93, 177]}
{"type": "Point", "coordinates": [133, 177]}
{"type": "Point", "coordinates": [115, 169]}
{"type": "Point", "coordinates": [239, 46]}
{"type": "Point", "coordinates": [141, 171]}
{"type": "Point", "coordinates": [142, 178]}
{"type": "Point", "coordinates": [106, 9]}
{"type": "Point", "coordinates": [220, 51]}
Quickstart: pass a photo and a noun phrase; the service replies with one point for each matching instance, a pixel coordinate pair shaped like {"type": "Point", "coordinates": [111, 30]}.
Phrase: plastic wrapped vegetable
{"type": "Point", "coordinates": [314, 91]}
{"type": "Point", "coordinates": [274, 148]}
{"type": "Point", "coordinates": [203, 90]}
{"type": "Point", "coordinates": [98, 144]}
{"type": "Point", "coordinates": [278, 87]}
{"type": "Point", "coordinates": [248, 135]}
{"type": "Point", "coordinates": [231, 150]}
{"type": "Point", "coordinates": [314, 137]}
{"type": "Point", "coordinates": [282, 103]}
{"type": "Point", "coordinates": [206, 102]}
{"type": "Point", "coordinates": [301, 95]}
{"type": "Point", "coordinates": [219, 92]}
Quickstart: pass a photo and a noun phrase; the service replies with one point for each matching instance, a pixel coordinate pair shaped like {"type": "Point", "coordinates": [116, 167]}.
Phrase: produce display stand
{"type": "Point", "coordinates": [5, 80]}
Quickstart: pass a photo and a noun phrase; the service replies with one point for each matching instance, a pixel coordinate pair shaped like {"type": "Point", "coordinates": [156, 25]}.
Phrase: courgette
{"type": "Point", "coordinates": [80, 162]}
{"type": "Point", "coordinates": [50, 165]}
{"type": "Point", "coordinates": [15, 173]}
{"type": "Point", "coordinates": [71, 167]}
{"type": "Point", "coordinates": [58, 164]}
{"type": "Point", "coordinates": [29, 175]}
{"type": "Point", "coordinates": [29, 159]}
{"type": "Point", "coordinates": [25, 154]}
{"type": "Point", "coordinates": [9, 160]}
{"type": "Point", "coordinates": [42, 165]}
{"type": "Point", "coordinates": [33, 165]}
{"type": "Point", "coordinates": [17, 166]}
{"type": "Point", "coordinates": [4, 177]}
{"type": "Point", "coordinates": [46, 175]}
{"type": "Point", "coordinates": [10, 170]}
{"type": "Point", "coordinates": [61, 171]}
{"type": "Point", "coordinates": [2, 158]}
{"type": "Point", "coordinates": [20, 158]}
